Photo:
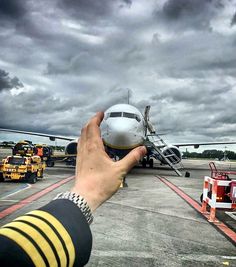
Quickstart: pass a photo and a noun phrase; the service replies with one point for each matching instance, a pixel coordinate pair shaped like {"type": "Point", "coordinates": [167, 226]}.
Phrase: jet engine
{"type": "Point", "coordinates": [173, 154]}
{"type": "Point", "coordinates": [71, 148]}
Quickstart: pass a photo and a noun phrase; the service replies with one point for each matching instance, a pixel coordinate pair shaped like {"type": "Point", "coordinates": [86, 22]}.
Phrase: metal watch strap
{"type": "Point", "coordinates": [80, 202]}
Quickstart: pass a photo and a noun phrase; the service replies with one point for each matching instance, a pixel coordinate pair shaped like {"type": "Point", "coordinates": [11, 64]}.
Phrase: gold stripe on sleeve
{"type": "Point", "coordinates": [38, 238]}
{"type": "Point", "coordinates": [25, 244]}
{"type": "Point", "coordinates": [44, 227]}
{"type": "Point", "coordinates": [61, 230]}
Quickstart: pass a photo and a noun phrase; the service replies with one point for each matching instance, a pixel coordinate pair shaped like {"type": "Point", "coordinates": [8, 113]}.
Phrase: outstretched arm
{"type": "Point", "coordinates": [58, 234]}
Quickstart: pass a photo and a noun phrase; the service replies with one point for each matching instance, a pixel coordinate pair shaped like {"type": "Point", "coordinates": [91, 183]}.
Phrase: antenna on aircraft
{"type": "Point", "coordinates": [128, 96]}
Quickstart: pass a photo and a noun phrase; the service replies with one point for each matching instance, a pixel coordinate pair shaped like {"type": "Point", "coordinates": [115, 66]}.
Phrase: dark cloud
{"type": "Point", "coordinates": [176, 9]}
{"type": "Point", "coordinates": [233, 20]}
{"type": "Point", "coordinates": [191, 13]}
{"type": "Point", "coordinates": [128, 2]}
{"type": "Point", "coordinates": [6, 82]}
{"type": "Point", "coordinates": [223, 63]}
{"type": "Point", "coordinates": [12, 9]}
{"type": "Point", "coordinates": [89, 10]}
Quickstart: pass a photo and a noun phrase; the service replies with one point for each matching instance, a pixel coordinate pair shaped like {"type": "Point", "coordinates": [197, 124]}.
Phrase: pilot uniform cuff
{"type": "Point", "coordinates": [74, 221]}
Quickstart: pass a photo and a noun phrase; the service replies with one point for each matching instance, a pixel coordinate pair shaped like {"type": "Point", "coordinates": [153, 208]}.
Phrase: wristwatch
{"type": "Point", "coordinates": [80, 202]}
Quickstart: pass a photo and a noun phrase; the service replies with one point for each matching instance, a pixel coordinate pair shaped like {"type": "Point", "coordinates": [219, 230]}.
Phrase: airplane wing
{"type": "Point", "coordinates": [50, 136]}
{"type": "Point", "coordinates": [196, 145]}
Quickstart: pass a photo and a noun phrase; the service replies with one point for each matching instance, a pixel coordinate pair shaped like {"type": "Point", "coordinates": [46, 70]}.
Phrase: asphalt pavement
{"type": "Point", "coordinates": [144, 224]}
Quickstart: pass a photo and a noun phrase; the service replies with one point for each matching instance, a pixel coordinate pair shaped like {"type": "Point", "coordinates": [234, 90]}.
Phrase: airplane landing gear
{"type": "Point", "coordinates": [144, 163]}
{"type": "Point", "coordinates": [148, 162]}
{"type": "Point", "coordinates": [151, 161]}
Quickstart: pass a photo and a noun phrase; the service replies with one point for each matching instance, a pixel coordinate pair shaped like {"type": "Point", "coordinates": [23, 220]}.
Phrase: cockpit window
{"type": "Point", "coordinates": [123, 114]}
{"type": "Point", "coordinates": [131, 116]}
{"type": "Point", "coordinates": [115, 114]}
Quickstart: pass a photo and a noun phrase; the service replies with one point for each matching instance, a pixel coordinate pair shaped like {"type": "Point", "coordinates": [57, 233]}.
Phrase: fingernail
{"type": "Point", "coordinates": [143, 150]}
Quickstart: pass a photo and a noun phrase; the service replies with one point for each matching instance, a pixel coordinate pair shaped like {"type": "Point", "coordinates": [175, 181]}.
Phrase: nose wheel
{"type": "Point", "coordinates": [151, 161]}
{"type": "Point", "coordinates": [144, 163]}
{"type": "Point", "coordinates": [147, 162]}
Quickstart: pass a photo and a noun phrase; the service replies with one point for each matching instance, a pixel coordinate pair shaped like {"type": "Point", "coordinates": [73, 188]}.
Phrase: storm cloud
{"type": "Point", "coordinates": [6, 82]}
{"type": "Point", "coordinates": [61, 61]}
{"type": "Point", "coordinates": [11, 9]}
{"type": "Point", "coordinates": [233, 21]}
{"type": "Point", "coordinates": [184, 15]}
{"type": "Point", "coordinates": [89, 10]}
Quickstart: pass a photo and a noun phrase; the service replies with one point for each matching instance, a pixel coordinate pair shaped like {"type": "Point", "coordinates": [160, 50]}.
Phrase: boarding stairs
{"type": "Point", "coordinates": [154, 148]}
{"type": "Point", "coordinates": [155, 145]}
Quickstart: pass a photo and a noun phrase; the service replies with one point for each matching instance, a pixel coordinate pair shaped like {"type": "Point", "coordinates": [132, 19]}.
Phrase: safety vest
{"type": "Point", "coordinates": [40, 151]}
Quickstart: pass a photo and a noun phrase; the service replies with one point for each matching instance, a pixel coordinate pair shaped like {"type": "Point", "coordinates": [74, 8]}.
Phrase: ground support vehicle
{"type": "Point", "coordinates": [20, 168]}
{"type": "Point", "coordinates": [24, 148]}
{"type": "Point", "coordinates": [223, 192]}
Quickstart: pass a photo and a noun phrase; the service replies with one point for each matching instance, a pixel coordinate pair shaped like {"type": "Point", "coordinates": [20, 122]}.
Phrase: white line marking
{"type": "Point", "coordinates": [21, 189]}
{"type": "Point", "coordinates": [229, 257]}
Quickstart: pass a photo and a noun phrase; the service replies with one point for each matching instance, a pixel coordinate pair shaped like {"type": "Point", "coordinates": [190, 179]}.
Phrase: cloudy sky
{"type": "Point", "coordinates": [63, 60]}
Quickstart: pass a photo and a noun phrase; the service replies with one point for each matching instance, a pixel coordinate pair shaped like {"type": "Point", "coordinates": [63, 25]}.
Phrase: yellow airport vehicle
{"type": "Point", "coordinates": [22, 168]}
{"type": "Point", "coordinates": [24, 148]}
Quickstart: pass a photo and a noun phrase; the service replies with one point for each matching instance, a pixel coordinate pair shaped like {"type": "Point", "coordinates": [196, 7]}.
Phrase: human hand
{"type": "Point", "coordinates": [97, 176]}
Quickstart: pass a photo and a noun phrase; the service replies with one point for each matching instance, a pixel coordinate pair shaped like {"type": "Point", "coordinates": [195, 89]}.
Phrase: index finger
{"type": "Point", "coordinates": [97, 119]}
{"type": "Point", "coordinates": [93, 130]}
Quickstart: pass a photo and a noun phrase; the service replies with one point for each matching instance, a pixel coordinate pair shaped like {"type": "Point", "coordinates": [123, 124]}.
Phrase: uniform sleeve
{"type": "Point", "coordinates": [55, 235]}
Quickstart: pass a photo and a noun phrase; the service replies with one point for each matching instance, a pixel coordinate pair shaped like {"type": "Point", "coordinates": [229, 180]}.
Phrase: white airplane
{"type": "Point", "coordinates": [124, 127]}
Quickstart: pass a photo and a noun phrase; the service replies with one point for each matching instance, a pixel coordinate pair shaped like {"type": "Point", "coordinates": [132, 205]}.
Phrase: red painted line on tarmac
{"type": "Point", "coordinates": [229, 233]}
{"type": "Point", "coordinates": [33, 197]}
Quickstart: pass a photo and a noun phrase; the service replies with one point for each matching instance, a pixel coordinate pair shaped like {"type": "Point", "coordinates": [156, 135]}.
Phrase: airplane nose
{"type": "Point", "coordinates": [122, 135]}
{"type": "Point", "coordinates": [120, 128]}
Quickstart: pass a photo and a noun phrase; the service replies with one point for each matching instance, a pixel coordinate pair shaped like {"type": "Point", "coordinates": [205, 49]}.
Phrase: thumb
{"type": "Point", "coordinates": [133, 157]}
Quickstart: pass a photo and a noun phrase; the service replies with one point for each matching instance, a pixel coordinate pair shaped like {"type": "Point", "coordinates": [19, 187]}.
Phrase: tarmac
{"type": "Point", "coordinates": [144, 224]}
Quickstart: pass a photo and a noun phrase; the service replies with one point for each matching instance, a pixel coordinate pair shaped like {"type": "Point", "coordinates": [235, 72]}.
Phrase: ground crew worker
{"type": "Point", "coordinates": [40, 151]}
{"type": "Point", "coordinates": [58, 234]}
